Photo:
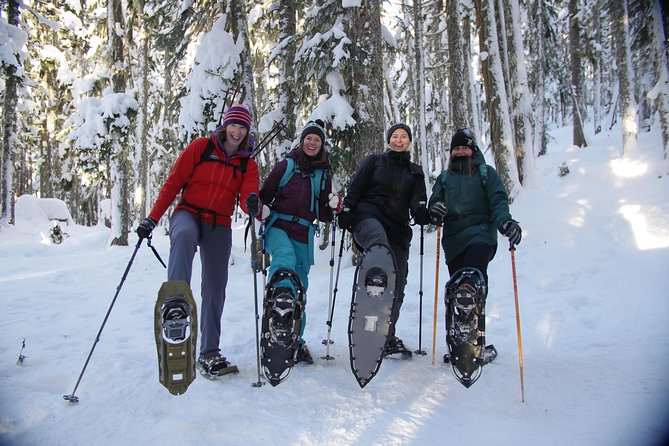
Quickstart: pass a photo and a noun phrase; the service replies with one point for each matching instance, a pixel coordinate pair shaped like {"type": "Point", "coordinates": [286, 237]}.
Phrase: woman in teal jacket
{"type": "Point", "coordinates": [470, 199]}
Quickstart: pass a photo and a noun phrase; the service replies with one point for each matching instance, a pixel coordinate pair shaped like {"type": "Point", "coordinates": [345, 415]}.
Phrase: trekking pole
{"type": "Point", "coordinates": [332, 254]}
{"type": "Point", "coordinates": [71, 397]}
{"type": "Point", "coordinates": [334, 296]}
{"type": "Point", "coordinates": [512, 249]}
{"type": "Point", "coordinates": [254, 266]}
{"type": "Point", "coordinates": [277, 128]}
{"type": "Point", "coordinates": [436, 297]}
{"type": "Point", "coordinates": [420, 350]}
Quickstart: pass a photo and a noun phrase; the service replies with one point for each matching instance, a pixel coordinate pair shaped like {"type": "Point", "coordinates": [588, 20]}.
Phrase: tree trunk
{"type": "Point", "coordinates": [287, 30]}
{"type": "Point", "coordinates": [420, 131]}
{"type": "Point", "coordinates": [628, 106]}
{"type": "Point", "coordinates": [120, 170]}
{"type": "Point", "coordinates": [501, 136]}
{"type": "Point", "coordinates": [240, 30]}
{"type": "Point", "coordinates": [540, 140]}
{"type": "Point", "coordinates": [575, 88]}
{"type": "Point", "coordinates": [597, 68]}
{"type": "Point", "coordinates": [366, 81]}
{"type": "Point", "coordinates": [662, 70]}
{"type": "Point", "coordinates": [9, 127]}
{"type": "Point", "coordinates": [521, 96]}
{"type": "Point", "coordinates": [458, 69]}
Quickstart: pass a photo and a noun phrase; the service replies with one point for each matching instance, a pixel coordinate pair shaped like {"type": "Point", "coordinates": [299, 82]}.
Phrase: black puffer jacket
{"type": "Point", "coordinates": [386, 187]}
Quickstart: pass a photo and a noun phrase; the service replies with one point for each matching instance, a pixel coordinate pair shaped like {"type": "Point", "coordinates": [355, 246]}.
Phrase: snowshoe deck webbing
{"type": "Point", "coordinates": [175, 329]}
{"type": "Point", "coordinates": [281, 322]}
{"type": "Point", "coordinates": [371, 309]}
{"type": "Point", "coordinates": [465, 324]}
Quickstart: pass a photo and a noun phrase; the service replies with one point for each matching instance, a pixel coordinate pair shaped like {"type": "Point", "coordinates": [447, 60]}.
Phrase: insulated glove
{"type": "Point", "coordinates": [438, 211]}
{"type": "Point", "coordinates": [511, 230]}
{"type": "Point", "coordinates": [345, 219]}
{"type": "Point", "coordinates": [145, 227]}
{"type": "Point", "coordinates": [335, 202]}
{"type": "Point", "coordinates": [421, 216]}
{"type": "Point", "coordinates": [253, 205]}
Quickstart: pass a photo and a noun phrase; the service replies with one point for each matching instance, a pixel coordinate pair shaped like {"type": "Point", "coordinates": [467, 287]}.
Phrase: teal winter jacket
{"type": "Point", "coordinates": [477, 204]}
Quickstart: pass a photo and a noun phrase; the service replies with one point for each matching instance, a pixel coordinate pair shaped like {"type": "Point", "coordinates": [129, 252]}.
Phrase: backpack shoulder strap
{"type": "Point", "coordinates": [288, 174]}
{"type": "Point", "coordinates": [483, 173]}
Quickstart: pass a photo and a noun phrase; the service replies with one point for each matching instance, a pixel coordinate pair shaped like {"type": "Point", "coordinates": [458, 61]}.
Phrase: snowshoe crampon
{"type": "Point", "coordinates": [371, 309]}
{"type": "Point", "coordinates": [175, 329]}
{"type": "Point", "coordinates": [465, 324]}
{"type": "Point", "coordinates": [281, 322]}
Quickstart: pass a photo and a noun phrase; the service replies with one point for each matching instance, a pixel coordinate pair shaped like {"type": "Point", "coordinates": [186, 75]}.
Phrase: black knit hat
{"type": "Point", "coordinates": [464, 137]}
{"type": "Point", "coordinates": [316, 127]}
{"type": "Point", "coordinates": [237, 114]}
{"type": "Point", "coordinates": [394, 127]}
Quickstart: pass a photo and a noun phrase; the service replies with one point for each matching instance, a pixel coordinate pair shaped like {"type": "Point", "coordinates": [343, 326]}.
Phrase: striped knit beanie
{"type": "Point", "coordinates": [237, 114]}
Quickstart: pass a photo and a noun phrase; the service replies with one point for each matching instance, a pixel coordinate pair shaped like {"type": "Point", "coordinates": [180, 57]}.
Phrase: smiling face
{"type": "Point", "coordinates": [399, 141]}
{"type": "Point", "coordinates": [462, 151]}
{"type": "Point", "coordinates": [234, 135]}
{"type": "Point", "coordinates": [312, 144]}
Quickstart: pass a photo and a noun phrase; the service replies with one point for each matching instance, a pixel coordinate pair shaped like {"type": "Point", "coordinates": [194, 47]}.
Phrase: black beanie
{"type": "Point", "coordinates": [464, 137]}
{"type": "Point", "coordinates": [316, 127]}
{"type": "Point", "coordinates": [394, 127]}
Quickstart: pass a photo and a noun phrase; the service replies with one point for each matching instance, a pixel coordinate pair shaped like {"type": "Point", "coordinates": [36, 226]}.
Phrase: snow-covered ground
{"type": "Point", "coordinates": [593, 292]}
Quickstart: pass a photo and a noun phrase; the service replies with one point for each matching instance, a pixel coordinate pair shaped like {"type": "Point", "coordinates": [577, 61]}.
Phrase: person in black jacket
{"type": "Point", "coordinates": [382, 193]}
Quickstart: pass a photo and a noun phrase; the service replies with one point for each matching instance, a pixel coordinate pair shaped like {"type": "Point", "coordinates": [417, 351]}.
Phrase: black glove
{"type": "Point", "coordinates": [438, 211]}
{"type": "Point", "coordinates": [511, 230]}
{"type": "Point", "coordinates": [345, 219]}
{"type": "Point", "coordinates": [253, 205]}
{"type": "Point", "coordinates": [421, 216]}
{"type": "Point", "coordinates": [145, 227]}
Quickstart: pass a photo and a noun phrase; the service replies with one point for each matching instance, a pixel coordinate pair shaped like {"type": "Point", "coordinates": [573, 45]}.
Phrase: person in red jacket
{"type": "Point", "coordinates": [211, 174]}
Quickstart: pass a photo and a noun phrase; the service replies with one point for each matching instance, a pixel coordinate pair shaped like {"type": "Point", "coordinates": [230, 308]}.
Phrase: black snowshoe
{"type": "Point", "coordinates": [370, 317]}
{"type": "Point", "coordinates": [465, 299]}
{"type": "Point", "coordinates": [282, 318]}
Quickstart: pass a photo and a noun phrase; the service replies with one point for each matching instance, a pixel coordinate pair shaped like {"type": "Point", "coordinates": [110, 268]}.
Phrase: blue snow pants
{"type": "Point", "coordinates": [290, 254]}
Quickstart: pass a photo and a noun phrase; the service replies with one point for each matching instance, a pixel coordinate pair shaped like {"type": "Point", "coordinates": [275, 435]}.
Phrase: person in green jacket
{"type": "Point", "coordinates": [472, 203]}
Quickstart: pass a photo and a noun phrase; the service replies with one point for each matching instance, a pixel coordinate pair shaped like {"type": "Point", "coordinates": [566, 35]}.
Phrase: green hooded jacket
{"type": "Point", "coordinates": [476, 206]}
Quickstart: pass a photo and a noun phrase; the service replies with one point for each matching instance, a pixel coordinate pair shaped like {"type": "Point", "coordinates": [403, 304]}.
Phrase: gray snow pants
{"type": "Point", "coordinates": [370, 231]}
{"type": "Point", "coordinates": [215, 246]}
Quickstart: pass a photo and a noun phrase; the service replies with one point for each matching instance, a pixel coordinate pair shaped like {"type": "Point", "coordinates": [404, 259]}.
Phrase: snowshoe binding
{"type": "Point", "coordinates": [395, 346]}
{"type": "Point", "coordinates": [281, 322]}
{"type": "Point", "coordinates": [175, 329]}
{"type": "Point", "coordinates": [303, 355]}
{"type": "Point", "coordinates": [465, 325]}
{"type": "Point", "coordinates": [376, 281]}
{"type": "Point", "coordinates": [213, 366]}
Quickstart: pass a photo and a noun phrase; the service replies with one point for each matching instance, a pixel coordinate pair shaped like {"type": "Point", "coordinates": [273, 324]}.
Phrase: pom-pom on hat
{"type": "Point", "coordinates": [237, 114]}
{"type": "Point", "coordinates": [394, 127]}
{"type": "Point", "coordinates": [464, 137]}
{"type": "Point", "coordinates": [316, 127]}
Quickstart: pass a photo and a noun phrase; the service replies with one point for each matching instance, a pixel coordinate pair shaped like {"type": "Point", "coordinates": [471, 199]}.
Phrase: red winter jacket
{"type": "Point", "coordinates": [212, 186]}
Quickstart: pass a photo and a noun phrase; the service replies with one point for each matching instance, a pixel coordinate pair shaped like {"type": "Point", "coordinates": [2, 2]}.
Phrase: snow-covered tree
{"type": "Point", "coordinates": [501, 136]}
{"type": "Point", "coordinates": [12, 64]}
{"type": "Point", "coordinates": [628, 104]}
